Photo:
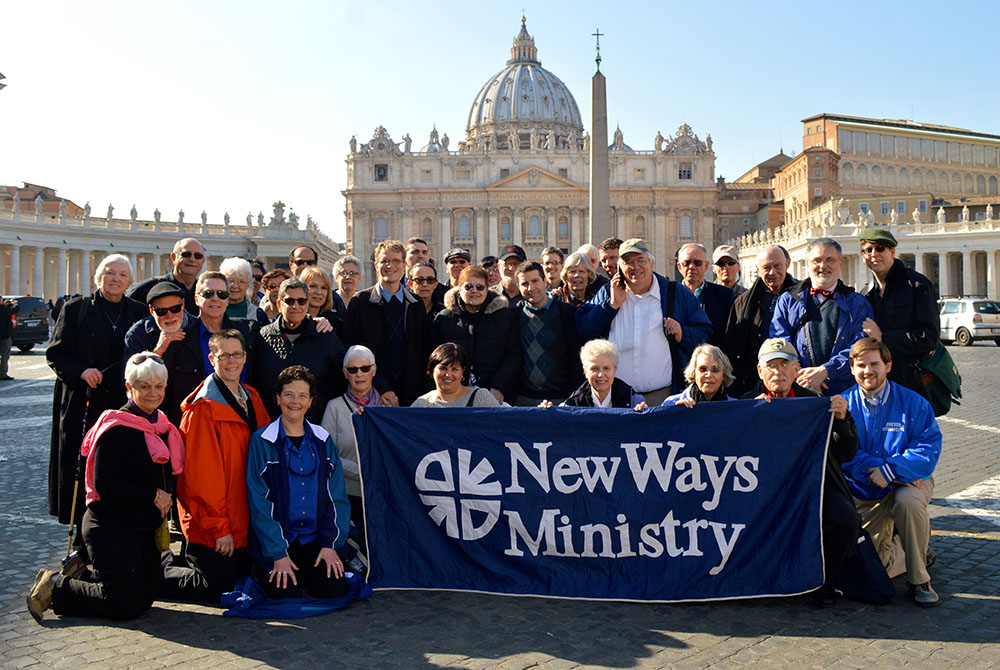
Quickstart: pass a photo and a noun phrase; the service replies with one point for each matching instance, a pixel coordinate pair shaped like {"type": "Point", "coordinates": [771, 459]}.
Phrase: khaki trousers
{"type": "Point", "coordinates": [904, 510]}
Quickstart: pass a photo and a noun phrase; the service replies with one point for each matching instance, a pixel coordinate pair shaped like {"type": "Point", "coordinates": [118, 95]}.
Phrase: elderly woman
{"type": "Point", "coordinates": [270, 283]}
{"type": "Point", "coordinates": [480, 322]}
{"type": "Point", "coordinates": [85, 353]}
{"type": "Point", "coordinates": [239, 276]}
{"type": "Point", "coordinates": [359, 369]}
{"type": "Point", "coordinates": [347, 274]}
{"type": "Point", "coordinates": [298, 508]}
{"type": "Point", "coordinates": [708, 374]}
{"type": "Point", "coordinates": [578, 280]}
{"type": "Point", "coordinates": [132, 456]}
{"type": "Point", "coordinates": [322, 299]}
{"type": "Point", "coordinates": [447, 367]}
{"type": "Point", "coordinates": [293, 339]}
{"type": "Point", "coordinates": [602, 388]}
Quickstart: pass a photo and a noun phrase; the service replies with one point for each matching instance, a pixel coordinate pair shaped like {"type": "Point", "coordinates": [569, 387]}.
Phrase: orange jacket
{"type": "Point", "coordinates": [212, 490]}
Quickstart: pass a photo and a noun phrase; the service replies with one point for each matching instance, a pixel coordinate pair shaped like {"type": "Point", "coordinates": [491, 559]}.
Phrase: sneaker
{"type": "Point", "coordinates": [923, 594]}
{"type": "Point", "coordinates": [40, 597]}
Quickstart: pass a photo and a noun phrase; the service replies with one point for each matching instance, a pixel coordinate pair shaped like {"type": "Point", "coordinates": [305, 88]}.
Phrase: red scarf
{"type": "Point", "coordinates": [172, 451]}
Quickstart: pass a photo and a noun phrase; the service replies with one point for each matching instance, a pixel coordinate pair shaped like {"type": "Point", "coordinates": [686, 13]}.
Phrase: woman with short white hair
{"type": "Point", "coordinates": [601, 388]}
{"type": "Point", "coordinates": [708, 374]}
{"type": "Point", "coordinates": [85, 352]}
{"type": "Point", "coordinates": [133, 455]}
{"type": "Point", "coordinates": [239, 276]}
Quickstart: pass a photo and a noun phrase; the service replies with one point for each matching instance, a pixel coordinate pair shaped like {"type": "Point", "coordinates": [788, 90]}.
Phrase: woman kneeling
{"type": "Point", "coordinates": [299, 513]}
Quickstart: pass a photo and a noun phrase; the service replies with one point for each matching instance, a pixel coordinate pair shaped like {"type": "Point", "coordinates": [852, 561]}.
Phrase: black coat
{"type": "Point", "coordinates": [6, 312]}
{"type": "Point", "coordinates": [489, 336]}
{"type": "Point", "coordinates": [141, 290]}
{"type": "Point", "coordinates": [364, 325]}
{"type": "Point", "coordinates": [82, 338]}
{"type": "Point", "coordinates": [716, 300]}
{"type": "Point", "coordinates": [743, 333]}
{"type": "Point", "coordinates": [322, 353]}
{"type": "Point", "coordinates": [907, 313]}
{"type": "Point", "coordinates": [621, 395]}
{"type": "Point", "coordinates": [186, 364]}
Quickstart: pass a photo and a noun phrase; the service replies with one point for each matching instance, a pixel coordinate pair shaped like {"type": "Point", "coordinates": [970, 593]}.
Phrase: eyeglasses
{"type": "Point", "coordinates": [238, 282]}
{"type": "Point", "coordinates": [173, 309]}
{"type": "Point", "coordinates": [142, 358]}
{"type": "Point", "coordinates": [354, 369]}
{"type": "Point", "coordinates": [551, 264]}
{"type": "Point", "coordinates": [725, 263]}
{"type": "Point", "coordinates": [197, 255]}
{"type": "Point", "coordinates": [874, 249]}
{"type": "Point", "coordinates": [390, 261]}
{"type": "Point", "coordinates": [474, 287]}
{"type": "Point", "coordinates": [692, 263]}
{"type": "Point", "coordinates": [424, 280]}
{"type": "Point", "coordinates": [299, 262]}
{"type": "Point", "coordinates": [295, 301]}
{"type": "Point", "coordinates": [208, 294]}
{"type": "Point", "coordinates": [347, 274]}
{"type": "Point", "coordinates": [230, 357]}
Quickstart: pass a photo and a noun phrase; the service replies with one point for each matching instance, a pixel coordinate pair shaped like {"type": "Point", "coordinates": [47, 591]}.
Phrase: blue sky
{"type": "Point", "coordinates": [231, 105]}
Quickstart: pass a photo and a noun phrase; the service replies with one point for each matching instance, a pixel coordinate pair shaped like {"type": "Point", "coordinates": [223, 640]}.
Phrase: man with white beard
{"type": "Point", "coordinates": [164, 325]}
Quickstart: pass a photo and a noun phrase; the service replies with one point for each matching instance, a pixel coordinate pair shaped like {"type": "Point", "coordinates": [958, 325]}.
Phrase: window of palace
{"type": "Point", "coordinates": [904, 177]}
{"type": "Point", "coordinates": [381, 228]}
{"type": "Point", "coordinates": [534, 226]}
{"type": "Point", "coordinates": [845, 142]}
{"type": "Point", "coordinates": [956, 183]}
{"type": "Point", "coordinates": [890, 176]}
{"type": "Point", "coordinates": [940, 151]}
{"type": "Point", "coordinates": [381, 172]}
{"type": "Point", "coordinates": [684, 171]}
{"type": "Point", "coordinates": [953, 152]}
{"type": "Point", "coordinates": [876, 175]}
{"type": "Point", "coordinates": [978, 154]}
{"type": "Point", "coordinates": [505, 228]}
{"type": "Point", "coordinates": [426, 229]}
{"type": "Point", "coordinates": [888, 145]}
{"type": "Point", "coordinates": [818, 171]}
{"type": "Point", "coordinates": [922, 206]}
{"type": "Point", "coordinates": [926, 149]}
{"type": "Point", "coordinates": [862, 175]}
{"type": "Point", "coordinates": [463, 174]}
{"type": "Point", "coordinates": [900, 207]}
{"type": "Point", "coordinates": [981, 184]}
{"type": "Point", "coordinates": [504, 172]}
{"type": "Point", "coordinates": [464, 228]}
{"type": "Point", "coordinates": [564, 172]}
{"type": "Point", "coordinates": [991, 156]}
{"type": "Point", "coordinates": [966, 153]}
{"type": "Point", "coordinates": [930, 181]}
{"type": "Point", "coordinates": [993, 186]}
{"type": "Point", "coordinates": [969, 188]}
{"type": "Point", "coordinates": [563, 227]}
{"type": "Point", "coordinates": [980, 216]}
{"type": "Point", "coordinates": [685, 226]}
{"type": "Point", "coordinates": [883, 208]}
{"type": "Point", "coordinates": [864, 208]}
{"type": "Point", "coordinates": [861, 143]}
{"type": "Point", "coordinates": [639, 227]}
{"type": "Point", "coordinates": [874, 144]}
{"type": "Point", "coordinates": [846, 175]}
{"type": "Point", "coordinates": [917, 180]}
{"type": "Point", "coordinates": [818, 191]}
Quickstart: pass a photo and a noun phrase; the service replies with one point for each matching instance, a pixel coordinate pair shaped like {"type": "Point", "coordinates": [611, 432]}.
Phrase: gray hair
{"type": "Point", "coordinates": [825, 242]}
{"type": "Point", "coordinates": [359, 350]}
{"type": "Point", "coordinates": [236, 266]}
{"type": "Point", "coordinates": [597, 349]}
{"type": "Point", "coordinates": [574, 259]}
{"type": "Point", "coordinates": [693, 245]}
{"type": "Point", "coordinates": [587, 249]}
{"type": "Point", "coordinates": [103, 265]}
{"type": "Point", "coordinates": [290, 284]}
{"type": "Point", "coordinates": [344, 260]}
{"type": "Point", "coordinates": [710, 350]}
{"type": "Point", "coordinates": [143, 367]}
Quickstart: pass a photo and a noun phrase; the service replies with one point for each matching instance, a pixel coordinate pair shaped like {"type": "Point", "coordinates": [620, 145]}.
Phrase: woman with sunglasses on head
{"type": "Point", "coordinates": [188, 360]}
{"type": "Point", "coordinates": [269, 284]}
{"type": "Point", "coordinates": [322, 299]}
{"type": "Point", "coordinates": [292, 339]}
{"type": "Point", "coordinates": [480, 322]}
{"type": "Point", "coordinates": [85, 352]}
{"type": "Point", "coordinates": [133, 454]}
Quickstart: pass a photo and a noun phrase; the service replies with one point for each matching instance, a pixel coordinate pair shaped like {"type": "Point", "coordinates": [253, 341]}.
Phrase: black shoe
{"type": "Point", "coordinates": [6, 378]}
{"type": "Point", "coordinates": [825, 596]}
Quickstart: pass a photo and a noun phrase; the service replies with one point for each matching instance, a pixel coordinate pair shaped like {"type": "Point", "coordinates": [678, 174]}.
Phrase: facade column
{"type": "Point", "coordinates": [37, 275]}
{"type": "Point", "coordinates": [548, 223]}
{"type": "Point", "coordinates": [14, 283]}
{"type": "Point", "coordinates": [407, 215]}
{"type": "Point", "coordinates": [61, 288]}
{"type": "Point", "coordinates": [86, 274]}
{"type": "Point", "coordinates": [968, 274]}
{"type": "Point", "coordinates": [574, 228]}
{"type": "Point", "coordinates": [493, 231]}
{"type": "Point", "coordinates": [444, 215]}
{"type": "Point", "coordinates": [516, 226]}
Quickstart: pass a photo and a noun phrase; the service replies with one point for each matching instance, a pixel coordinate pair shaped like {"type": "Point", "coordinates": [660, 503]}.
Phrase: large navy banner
{"type": "Point", "coordinates": [718, 501]}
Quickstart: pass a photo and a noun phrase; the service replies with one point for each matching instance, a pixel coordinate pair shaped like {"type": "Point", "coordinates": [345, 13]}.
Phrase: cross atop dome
{"type": "Point", "coordinates": [524, 50]}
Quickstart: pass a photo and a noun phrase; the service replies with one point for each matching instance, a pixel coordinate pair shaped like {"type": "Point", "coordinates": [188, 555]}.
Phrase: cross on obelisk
{"type": "Point", "coordinates": [600, 174]}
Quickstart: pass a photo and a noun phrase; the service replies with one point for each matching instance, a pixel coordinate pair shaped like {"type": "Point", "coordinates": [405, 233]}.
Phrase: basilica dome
{"type": "Point", "coordinates": [524, 103]}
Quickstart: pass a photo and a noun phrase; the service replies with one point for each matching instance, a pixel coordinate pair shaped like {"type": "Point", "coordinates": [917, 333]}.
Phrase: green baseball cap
{"type": "Point", "coordinates": [634, 245]}
{"type": "Point", "coordinates": [878, 236]}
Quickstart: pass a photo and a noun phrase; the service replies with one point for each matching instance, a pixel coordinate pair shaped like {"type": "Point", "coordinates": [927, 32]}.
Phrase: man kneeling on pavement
{"type": "Point", "coordinates": [899, 443]}
{"type": "Point", "coordinates": [778, 366]}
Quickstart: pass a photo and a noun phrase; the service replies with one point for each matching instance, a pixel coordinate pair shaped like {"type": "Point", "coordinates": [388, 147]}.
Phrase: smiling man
{"type": "Point", "coordinates": [904, 303]}
{"type": "Point", "coordinates": [654, 323]}
{"type": "Point", "coordinates": [164, 325]}
{"type": "Point", "coordinates": [188, 259]}
{"type": "Point", "coordinates": [715, 299]}
{"type": "Point", "coordinates": [822, 317]}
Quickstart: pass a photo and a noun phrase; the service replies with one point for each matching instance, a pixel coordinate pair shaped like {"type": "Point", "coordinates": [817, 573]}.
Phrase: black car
{"type": "Point", "coordinates": [31, 324]}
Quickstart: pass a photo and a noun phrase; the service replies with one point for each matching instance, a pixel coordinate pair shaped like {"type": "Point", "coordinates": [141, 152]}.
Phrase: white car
{"type": "Point", "coordinates": [965, 320]}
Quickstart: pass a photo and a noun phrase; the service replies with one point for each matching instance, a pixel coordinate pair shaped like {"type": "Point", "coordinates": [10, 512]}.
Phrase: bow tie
{"type": "Point", "coordinates": [825, 292]}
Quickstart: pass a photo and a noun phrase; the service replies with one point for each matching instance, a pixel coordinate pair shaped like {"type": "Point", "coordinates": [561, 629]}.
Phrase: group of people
{"type": "Point", "coordinates": [242, 383]}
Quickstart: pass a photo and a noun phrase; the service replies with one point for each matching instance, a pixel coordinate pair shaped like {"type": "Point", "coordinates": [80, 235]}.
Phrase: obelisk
{"type": "Point", "coordinates": [600, 177]}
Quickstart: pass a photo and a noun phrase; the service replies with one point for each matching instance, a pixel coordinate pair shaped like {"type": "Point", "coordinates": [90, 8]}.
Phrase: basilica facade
{"type": "Point", "coordinates": [521, 174]}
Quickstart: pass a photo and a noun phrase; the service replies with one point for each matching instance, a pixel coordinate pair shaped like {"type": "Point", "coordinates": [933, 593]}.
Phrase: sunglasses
{"type": "Point", "coordinates": [301, 261]}
{"type": "Point", "coordinates": [695, 263]}
{"type": "Point", "coordinates": [197, 255]}
{"type": "Point", "coordinates": [208, 294]}
{"type": "Point", "coordinates": [474, 287]}
{"type": "Point", "coordinates": [258, 277]}
{"type": "Point", "coordinates": [173, 309]}
{"type": "Point", "coordinates": [271, 287]}
{"type": "Point", "coordinates": [354, 369]}
{"type": "Point", "coordinates": [726, 263]}
{"type": "Point", "coordinates": [877, 248]}
{"type": "Point", "coordinates": [301, 302]}
{"type": "Point", "coordinates": [424, 280]}
{"type": "Point", "coordinates": [142, 358]}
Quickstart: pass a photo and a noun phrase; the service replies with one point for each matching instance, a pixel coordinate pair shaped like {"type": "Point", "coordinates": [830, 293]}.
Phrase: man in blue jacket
{"type": "Point", "coordinates": [715, 299]}
{"type": "Point", "coordinates": [899, 443]}
{"type": "Point", "coordinates": [822, 317]}
{"type": "Point", "coordinates": [655, 323]}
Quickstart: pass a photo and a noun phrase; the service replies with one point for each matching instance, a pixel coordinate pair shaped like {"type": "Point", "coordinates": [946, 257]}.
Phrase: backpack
{"type": "Point", "coordinates": [863, 577]}
{"type": "Point", "coordinates": [939, 378]}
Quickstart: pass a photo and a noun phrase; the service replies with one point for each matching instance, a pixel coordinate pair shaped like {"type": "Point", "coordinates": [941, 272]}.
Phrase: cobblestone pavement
{"type": "Point", "coordinates": [437, 629]}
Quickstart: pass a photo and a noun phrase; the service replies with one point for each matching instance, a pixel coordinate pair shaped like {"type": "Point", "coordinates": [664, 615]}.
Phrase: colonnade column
{"type": "Point", "coordinates": [968, 274]}
{"type": "Point", "coordinates": [86, 279]}
{"type": "Point", "coordinates": [74, 274]}
{"type": "Point", "coordinates": [991, 275]}
{"type": "Point", "coordinates": [61, 288]}
{"type": "Point", "coordinates": [133, 260]}
{"type": "Point", "coordinates": [156, 264]}
{"type": "Point", "coordinates": [38, 274]}
{"type": "Point", "coordinates": [918, 262]}
{"type": "Point", "coordinates": [14, 284]}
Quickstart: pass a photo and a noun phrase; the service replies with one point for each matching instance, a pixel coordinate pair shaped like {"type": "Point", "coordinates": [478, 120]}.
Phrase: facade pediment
{"type": "Point", "coordinates": [533, 177]}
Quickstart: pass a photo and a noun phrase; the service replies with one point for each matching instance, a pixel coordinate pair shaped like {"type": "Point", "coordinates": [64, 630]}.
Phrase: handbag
{"type": "Point", "coordinates": [940, 380]}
